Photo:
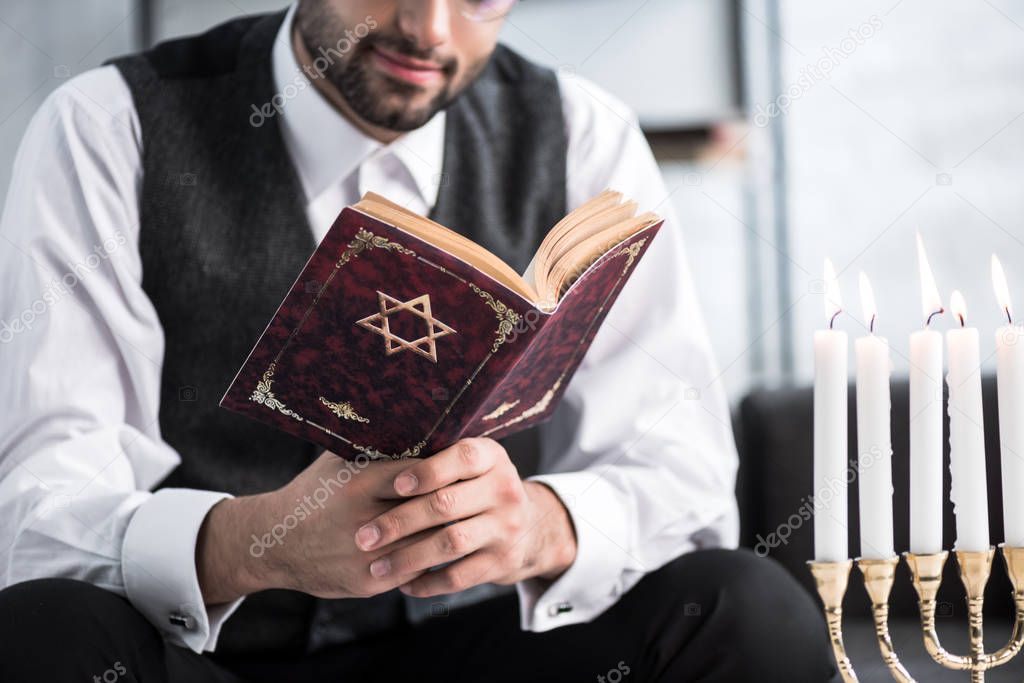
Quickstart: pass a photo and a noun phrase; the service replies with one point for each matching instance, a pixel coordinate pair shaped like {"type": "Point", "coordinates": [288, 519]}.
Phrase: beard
{"type": "Point", "coordinates": [375, 97]}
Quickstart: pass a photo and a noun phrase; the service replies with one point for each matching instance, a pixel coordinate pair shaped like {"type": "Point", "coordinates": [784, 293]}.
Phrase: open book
{"type": "Point", "coordinates": [569, 248]}
{"type": "Point", "coordinates": [401, 336]}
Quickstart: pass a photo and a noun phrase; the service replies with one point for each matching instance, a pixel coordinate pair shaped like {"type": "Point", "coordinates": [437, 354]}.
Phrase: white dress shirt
{"type": "Point", "coordinates": [640, 450]}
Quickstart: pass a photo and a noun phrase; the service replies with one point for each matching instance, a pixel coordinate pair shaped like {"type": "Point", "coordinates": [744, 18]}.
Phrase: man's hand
{"type": "Point", "coordinates": [467, 506]}
{"type": "Point", "coordinates": [300, 536]}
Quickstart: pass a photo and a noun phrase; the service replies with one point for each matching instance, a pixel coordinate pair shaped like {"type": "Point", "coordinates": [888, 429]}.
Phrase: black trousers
{"type": "Point", "coordinates": [715, 615]}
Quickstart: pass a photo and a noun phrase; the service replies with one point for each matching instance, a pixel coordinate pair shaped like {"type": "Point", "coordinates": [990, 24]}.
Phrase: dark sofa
{"type": "Point", "coordinates": [774, 434]}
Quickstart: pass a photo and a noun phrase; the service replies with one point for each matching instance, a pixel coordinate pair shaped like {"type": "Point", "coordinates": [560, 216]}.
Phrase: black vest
{"type": "Point", "coordinates": [224, 233]}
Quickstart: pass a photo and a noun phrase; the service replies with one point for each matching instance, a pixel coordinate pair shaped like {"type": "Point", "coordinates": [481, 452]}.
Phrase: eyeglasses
{"type": "Point", "coordinates": [484, 10]}
{"type": "Point", "coordinates": [480, 11]}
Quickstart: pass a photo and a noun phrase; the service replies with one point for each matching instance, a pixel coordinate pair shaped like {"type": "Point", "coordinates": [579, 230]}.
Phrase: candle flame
{"type": "Point", "coordinates": [1002, 290]}
{"type": "Point", "coordinates": [958, 306]}
{"type": "Point", "coordinates": [931, 300]}
{"type": "Point", "coordinates": [867, 301]}
{"type": "Point", "coordinates": [833, 301]}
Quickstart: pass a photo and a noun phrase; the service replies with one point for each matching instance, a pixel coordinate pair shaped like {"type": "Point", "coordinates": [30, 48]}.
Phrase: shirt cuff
{"type": "Point", "coordinates": [594, 581]}
{"type": "Point", "coordinates": [158, 561]}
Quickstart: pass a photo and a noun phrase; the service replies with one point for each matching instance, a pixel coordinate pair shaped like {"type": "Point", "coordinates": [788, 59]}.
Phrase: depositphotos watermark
{"type": "Point", "coordinates": [307, 505]}
{"type": "Point", "coordinates": [112, 674]}
{"type": "Point", "coordinates": [810, 504]}
{"type": "Point", "coordinates": [58, 288]}
{"type": "Point", "coordinates": [317, 69]}
{"type": "Point", "coordinates": [810, 74]}
{"type": "Point", "coordinates": [615, 674]}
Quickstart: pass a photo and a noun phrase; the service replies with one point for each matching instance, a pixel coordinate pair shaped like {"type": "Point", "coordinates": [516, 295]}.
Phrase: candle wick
{"type": "Point", "coordinates": [1009, 318]}
{"type": "Point", "coordinates": [871, 325]}
{"type": "Point", "coordinates": [961, 316]}
{"type": "Point", "coordinates": [832, 321]}
{"type": "Point", "coordinates": [932, 315]}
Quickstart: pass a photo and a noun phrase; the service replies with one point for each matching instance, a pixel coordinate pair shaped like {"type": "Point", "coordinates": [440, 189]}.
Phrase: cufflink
{"type": "Point", "coordinates": [560, 608]}
{"type": "Point", "coordinates": [182, 620]}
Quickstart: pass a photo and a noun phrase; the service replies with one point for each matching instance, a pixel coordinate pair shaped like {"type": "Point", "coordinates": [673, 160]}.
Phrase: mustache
{"type": "Point", "coordinates": [407, 48]}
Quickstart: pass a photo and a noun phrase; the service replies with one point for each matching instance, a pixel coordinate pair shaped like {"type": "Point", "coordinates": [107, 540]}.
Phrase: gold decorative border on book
{"type": "Point", "coordinates": [264, 395]}
{"type": "Point", "coordinates": [343, 410]}
{"type": "Point", "coordinates": [507, 318]}
{"type": "Point", "coordinates": [536, 409]}
{"type": "Point", "coordinates": [632, 251]}
{"type": "Point", "coordinates": [501, 410]}
{"type": "Point", "coordinates": [365, 240]}
{"type": "Point", "coordinates": [374, 454]}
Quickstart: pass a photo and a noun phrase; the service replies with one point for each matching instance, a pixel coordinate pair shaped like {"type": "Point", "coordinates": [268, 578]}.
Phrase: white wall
{"type": "Point", "coordinates": [42, 43]}
{"type": "Point", "coordinates": [670, 60]}
{"type": "Point", "coordinates": [710, 205]}
{"type": "Point", "coordinates": [939, 89]}
{"type": "Point", "coordinates": [173, 18]}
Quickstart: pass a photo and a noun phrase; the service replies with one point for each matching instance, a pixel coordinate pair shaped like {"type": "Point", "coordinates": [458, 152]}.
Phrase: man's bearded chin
{"type": "Point", "coordinates": [380, 100]}
{"type": "Point", "coordinates": [376, 98]}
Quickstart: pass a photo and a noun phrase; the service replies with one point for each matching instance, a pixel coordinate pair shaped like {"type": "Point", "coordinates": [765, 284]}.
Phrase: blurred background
{"type": "Point", "coordinates": [787, 131]}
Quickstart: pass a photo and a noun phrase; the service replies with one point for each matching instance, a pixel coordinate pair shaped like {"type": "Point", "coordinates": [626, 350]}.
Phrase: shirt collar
{"type": "Point", "coordinates": [326, 148]}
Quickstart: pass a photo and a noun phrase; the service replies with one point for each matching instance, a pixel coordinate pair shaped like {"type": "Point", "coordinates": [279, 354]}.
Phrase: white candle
{"type": "Point", "coordinates": [966, 433]}
{"type": "Point", "coordinates": [874, 439]}
{"type": "Point", "coordinates": [1010, 388]}
{"type": "Point", "coordinates": [830, 386]}
{"type": "Point", "coordinates": [926, 420]}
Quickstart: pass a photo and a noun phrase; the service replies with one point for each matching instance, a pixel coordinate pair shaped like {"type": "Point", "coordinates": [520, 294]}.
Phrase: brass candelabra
{"type": "Point", "coordinates": [926, 572]}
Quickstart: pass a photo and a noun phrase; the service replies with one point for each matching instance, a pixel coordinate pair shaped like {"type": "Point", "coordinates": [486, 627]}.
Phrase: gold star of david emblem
{"type": "Point", "coordinates": [420, 307]}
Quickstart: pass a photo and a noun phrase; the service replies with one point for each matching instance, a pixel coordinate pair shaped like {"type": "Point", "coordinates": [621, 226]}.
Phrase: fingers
{"type": "Point", "coordinates": [465, 459]}
{"type": "Point", "coordinates": [385, 581]}
{"type": "Point", "coordinates": [478, 568]}
{"type": "Point", "coordinates": [448, 504]}
{"type": "Point", "coordinates": [381, 476]}
{"type": "Point", "coordinates": [374, 478]}
{"type": "Point", "coordinates": [442, 545]}
{"type": "Point", "coordinates": [359, 581]}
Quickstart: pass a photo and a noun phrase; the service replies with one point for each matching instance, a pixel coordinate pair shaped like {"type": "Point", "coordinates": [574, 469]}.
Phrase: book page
{"type": "Point", "coordinates": [570, 247]}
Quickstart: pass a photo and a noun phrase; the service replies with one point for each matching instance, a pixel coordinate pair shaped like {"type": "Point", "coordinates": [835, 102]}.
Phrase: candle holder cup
{"type": "Point", "coordinates": [831, 579]}
{"type": "Point", "coordinates": [926, 573]}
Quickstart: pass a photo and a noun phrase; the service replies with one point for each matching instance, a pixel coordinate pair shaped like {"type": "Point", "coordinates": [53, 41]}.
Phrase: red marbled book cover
{"type": "Point", "coordinates": [389, 346]}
